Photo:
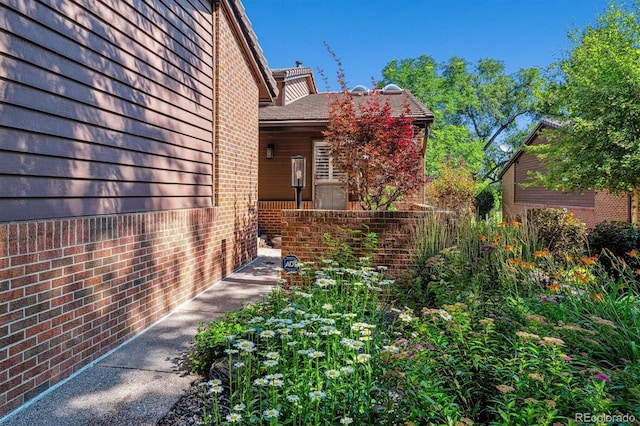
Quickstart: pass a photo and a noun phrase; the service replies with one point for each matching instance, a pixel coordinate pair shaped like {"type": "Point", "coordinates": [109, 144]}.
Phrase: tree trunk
{"type": "Point", "coordinates": [635, 204]}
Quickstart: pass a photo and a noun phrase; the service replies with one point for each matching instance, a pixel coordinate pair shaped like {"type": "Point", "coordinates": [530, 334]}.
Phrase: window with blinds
{"type": "Point", "coordinates": [328, 190]}
{"type": "Point", "coordinates": [324, 171]}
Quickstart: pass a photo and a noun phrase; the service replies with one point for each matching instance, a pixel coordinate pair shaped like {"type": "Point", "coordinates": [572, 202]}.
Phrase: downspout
{"type": "Point", "coordinates": [216, 103]}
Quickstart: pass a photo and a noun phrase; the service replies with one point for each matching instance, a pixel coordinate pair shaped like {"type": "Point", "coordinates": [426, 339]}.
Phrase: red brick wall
{"type": "Point", "coordinates": [302, 232]}
{"type": "Point", "coordinates": [270, 215]}
{"type": "Point", "coordinates": [610, 207]}
{"type": "Point", "coordinates": [236, 137]}
{"type": "Point", "coordinates": [72, 289]}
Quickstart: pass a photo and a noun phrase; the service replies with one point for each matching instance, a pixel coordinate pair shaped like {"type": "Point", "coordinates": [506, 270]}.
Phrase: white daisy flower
{"type": "Point", "coordinates": [216, 389]}
{"type": "Point", "coordinates": [363, 357]}
{"type": "Point", "coordinates": [315, 354]}
{"type": "Point", "coordinates": [267, 334]}
{"type": "Point", "coordinates": [316, 395]}
{"type": "Point", "coordinates": [233, 417]}
{"type": "Point", "coordinates": [332, 374]}
{"type": "Point", "coordinates": [270, 362]}
{"type": "Point", "coordinates": [271, 413]}
{"type": "Point", "coordinates": [445, 315]}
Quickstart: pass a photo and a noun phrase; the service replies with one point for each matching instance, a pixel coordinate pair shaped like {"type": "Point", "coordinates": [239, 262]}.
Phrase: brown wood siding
{"type": "Point", "coordinates": [106, 107]}
{"type": "Point", "coordinates": [540, 195]}
{"type": "Point", "coordinates": [275, 174]}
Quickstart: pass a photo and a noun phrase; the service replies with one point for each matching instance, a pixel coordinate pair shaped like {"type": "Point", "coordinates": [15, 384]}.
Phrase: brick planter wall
{"type": "Point", "coordinates": [270, 215]}
{"type": "Point", "coordinates": [73, 289]}
{"type": "Point", "coordinates": [302, 232]}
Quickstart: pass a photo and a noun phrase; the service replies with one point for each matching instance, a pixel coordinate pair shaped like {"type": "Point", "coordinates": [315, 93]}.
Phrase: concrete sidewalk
{"type": "Point", "coordinates": [141, 380]}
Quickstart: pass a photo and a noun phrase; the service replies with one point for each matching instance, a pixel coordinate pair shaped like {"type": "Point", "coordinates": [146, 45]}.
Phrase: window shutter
{"type": "Point", "coordinates": [323, 166]}
{"type": "Point", "coordinates": [322, 162]}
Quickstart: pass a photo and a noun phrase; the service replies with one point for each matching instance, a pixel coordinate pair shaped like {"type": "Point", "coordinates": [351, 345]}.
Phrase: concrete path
{"type": "Point", "coordinates": [140, 381]}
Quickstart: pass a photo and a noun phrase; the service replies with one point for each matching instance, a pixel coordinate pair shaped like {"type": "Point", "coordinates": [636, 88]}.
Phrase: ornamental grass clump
{"type": "Point", "coordinates": [536, 336]}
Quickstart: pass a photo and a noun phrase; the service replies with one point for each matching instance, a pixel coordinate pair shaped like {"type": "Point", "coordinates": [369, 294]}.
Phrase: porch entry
{"type": "Point", "coordinates": [328, 191]}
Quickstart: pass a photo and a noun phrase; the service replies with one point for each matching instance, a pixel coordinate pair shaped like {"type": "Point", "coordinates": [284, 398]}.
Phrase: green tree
{"type": "Point", "coordinates": [597, 95]}
{"type": "Point", "coordinates": [477, 107]}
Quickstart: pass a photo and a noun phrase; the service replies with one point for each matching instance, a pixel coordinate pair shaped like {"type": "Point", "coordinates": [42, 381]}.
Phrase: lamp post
{"type": "Point", "coordinates": [298, 177]}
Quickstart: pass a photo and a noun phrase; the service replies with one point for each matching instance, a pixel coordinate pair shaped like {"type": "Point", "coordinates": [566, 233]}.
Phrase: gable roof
{"type": "Point", "coordinates": [267, 84]}
{"type": "Point", "coordinates": [294, 83]}
{"type": "Point", "coordinates": [544, 123]}
{"type": "Point", "coordinates": [314, 109]}
{"type": "Point", "coordinates": [286, 74]}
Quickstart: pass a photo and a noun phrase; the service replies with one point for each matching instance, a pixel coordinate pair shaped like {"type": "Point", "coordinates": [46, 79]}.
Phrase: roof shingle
{"type": "Point", "coordinates": [314, 108]}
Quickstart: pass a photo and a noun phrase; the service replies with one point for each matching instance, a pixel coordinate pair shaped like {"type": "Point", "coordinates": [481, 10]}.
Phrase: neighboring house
{"type": "Point", "coordinates": [294, 126]}
{"type": "Point", "coordinates": [591, 207]}
{"type": "Point", "coordinates": [128, 172]}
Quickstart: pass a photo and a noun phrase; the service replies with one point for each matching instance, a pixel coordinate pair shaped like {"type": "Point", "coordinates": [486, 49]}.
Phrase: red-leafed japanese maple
{"type": "Point", "coordinates": [379, 153]}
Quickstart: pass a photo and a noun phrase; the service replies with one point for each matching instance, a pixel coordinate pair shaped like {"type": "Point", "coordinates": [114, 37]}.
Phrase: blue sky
{"type": "Point", "coordinates": [367, 34]}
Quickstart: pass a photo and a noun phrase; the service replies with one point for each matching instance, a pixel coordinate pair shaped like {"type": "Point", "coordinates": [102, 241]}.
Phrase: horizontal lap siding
{"type": "Point", "coordinates": [106, 107]}
{"type": "Point", "coordinates": [275, 183]}
{"type": "Point", "coordinates": [539, 195]}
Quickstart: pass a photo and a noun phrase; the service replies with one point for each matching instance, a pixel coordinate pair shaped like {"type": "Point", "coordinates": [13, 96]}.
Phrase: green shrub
{"type": "Point", "coordinates": [622, 239]}
{"type": "Point", "coordinates": [485, 200]}
{"type": "Point", "coordinates": [453, 189]}
{"type": "Point", "coordinates": [348, 246]}
{"type": "Point", "coordinates": [559, 230]}
{"type": "Point", "coordinates": [211, 339]}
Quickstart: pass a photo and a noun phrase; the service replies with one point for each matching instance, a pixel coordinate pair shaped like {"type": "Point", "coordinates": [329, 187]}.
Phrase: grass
{"type": "Point", "coordinates": [488, 328]}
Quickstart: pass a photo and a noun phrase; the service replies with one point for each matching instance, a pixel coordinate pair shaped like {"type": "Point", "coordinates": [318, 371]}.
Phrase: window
{"type": "Point", "coordinates": [324, 171]}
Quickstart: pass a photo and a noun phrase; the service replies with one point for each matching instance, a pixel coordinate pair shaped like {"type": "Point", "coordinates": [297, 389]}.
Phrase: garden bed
{"type": "Point", "coordinates": [498, 329]}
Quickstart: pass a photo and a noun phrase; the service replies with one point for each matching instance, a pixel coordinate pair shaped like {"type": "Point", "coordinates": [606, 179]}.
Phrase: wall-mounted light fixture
{"type": "Point", "coordinates": [270, 151]}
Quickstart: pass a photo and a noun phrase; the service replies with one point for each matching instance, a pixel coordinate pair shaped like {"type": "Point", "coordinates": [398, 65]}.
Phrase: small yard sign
{"type": "Point", "coordinates": [290, 263]}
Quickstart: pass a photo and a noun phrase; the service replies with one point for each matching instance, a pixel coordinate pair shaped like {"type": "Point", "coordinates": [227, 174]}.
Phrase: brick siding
{"type": "Point", "coordinates": [270, 212]}
{"type": "Point", "coordinates": [73, 289]}
{"type": "Point", "coordinates": [610, 207]}
{"type": "Point", "coordinates": [270, 215]}
{"type": "Point", "coordinates": [302, 232]}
